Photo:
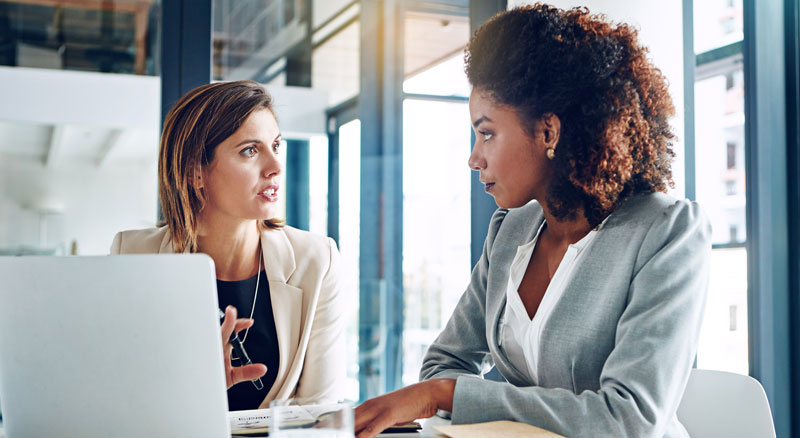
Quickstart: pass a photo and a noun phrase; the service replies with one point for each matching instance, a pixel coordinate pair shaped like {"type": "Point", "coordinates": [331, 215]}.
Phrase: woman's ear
{"type": "Point", "coordinates": [197, 178]}
{"type": "Point", "coordinates": [551, 130]}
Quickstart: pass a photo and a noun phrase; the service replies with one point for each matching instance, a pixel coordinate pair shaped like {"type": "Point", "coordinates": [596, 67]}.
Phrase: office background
{"type": "Point", "coordinates": [372, 101]}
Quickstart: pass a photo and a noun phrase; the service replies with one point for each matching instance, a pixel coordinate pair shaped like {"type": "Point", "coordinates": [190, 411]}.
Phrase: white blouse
{"type": "Point", "coordinates": [519, 334]}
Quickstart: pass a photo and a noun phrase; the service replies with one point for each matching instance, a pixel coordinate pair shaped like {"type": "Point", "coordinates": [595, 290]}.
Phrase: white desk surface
{"type": "Point", "coordinates": [426, 432]}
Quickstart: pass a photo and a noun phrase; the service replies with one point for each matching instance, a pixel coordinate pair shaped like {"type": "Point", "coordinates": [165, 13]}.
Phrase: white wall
{"type": "Point", "coordinates": [82, 98]}
{"type": "Point", "coordinates": [660, 27]}
{"type": "Point", "coordinates": [93, 204]}
{"type": "Point", "coordinates": [74, 199]}
{"type": "Point", "coordinates": [126, 101]}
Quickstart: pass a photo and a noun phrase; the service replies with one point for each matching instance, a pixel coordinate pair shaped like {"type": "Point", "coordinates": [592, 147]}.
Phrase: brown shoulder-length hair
{"type": "Point", "coordinates": [194, 127]}
{"type": "Point", "coordinates": [614, 106]}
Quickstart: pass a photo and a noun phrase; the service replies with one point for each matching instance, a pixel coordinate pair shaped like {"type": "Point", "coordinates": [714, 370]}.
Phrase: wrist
{"type": "Point", "coordinates": [444, 392]}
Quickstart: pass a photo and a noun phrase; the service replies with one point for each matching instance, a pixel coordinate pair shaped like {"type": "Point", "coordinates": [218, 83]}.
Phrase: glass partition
{"type": "Point", "coordinates": [436, 222]}
{"type": "Point", "coordinates": [436, 179]}
{"type": "Point", "coordinates": [112, 36]}
{"type": "Point", "coordinates": [335, 64]}
{"type": "Point", "coordinates": [349, 239]}
{"type": "Point", "coordinates": [717, 23]}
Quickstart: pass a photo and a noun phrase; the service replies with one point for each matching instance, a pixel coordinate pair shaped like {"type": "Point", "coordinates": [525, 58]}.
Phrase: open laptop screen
{"type": "Point", "coordinates": [124, 346]}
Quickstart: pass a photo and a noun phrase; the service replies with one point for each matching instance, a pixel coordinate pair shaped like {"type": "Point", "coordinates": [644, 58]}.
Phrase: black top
{"type": "Point", "coordinates": [262, 339]}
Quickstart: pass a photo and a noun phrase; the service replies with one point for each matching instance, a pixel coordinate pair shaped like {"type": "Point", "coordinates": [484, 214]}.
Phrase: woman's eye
{"type": "Point", "coordinates": [250, 151]}
{"type": "Point", "coordinates": [276, 146]}
{"type": "Point", "coordinates": [486, 136]}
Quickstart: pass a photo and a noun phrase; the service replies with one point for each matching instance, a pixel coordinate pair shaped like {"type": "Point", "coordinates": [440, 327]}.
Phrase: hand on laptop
{"type": "Point", "coordinates": [234, 375]}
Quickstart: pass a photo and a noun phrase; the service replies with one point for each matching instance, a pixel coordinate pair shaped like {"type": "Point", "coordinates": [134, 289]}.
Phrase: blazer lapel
{"type": "Point", "coordinates": [279, 262]}
{"type": "Point", "coordinates": [497, 290]}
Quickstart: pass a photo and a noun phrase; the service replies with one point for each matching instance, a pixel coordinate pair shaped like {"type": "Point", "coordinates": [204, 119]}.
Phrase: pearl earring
{"type": "Point", "coordinates": [551, 153]}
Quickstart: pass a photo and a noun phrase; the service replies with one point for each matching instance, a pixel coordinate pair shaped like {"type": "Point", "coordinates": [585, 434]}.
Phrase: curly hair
{"type": "Point", "coordinates": [594, 75]}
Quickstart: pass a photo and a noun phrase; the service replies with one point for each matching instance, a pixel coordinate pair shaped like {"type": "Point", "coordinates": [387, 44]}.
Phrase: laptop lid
{"type": "Point", "coordinates": [124, 346]}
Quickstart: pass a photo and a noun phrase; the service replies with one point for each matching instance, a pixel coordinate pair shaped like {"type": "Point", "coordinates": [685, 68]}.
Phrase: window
{"type": "Point", "coordinates": [335, 64]}
{"type": "Point", "coordinates": [350, 239]}
{"type": "Point", "coordinates": [436, 178]}
{"type": "Point", "coordinates": [731, 158]}
{"type": "Point", "coordinates": [720, 180]}
{"type": "Point", "coordinates": [436, 264]}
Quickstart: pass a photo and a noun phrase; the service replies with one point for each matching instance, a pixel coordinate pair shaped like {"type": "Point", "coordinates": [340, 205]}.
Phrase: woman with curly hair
{"type": "Point", "coordinates": [589, 294]}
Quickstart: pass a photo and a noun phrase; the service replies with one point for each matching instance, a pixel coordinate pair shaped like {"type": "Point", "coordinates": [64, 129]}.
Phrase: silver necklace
{"type": "Point", "coordinates": [255, 294]}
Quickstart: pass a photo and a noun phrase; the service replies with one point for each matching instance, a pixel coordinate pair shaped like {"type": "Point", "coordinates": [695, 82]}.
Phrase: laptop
{"type": "Point", "coordinates": [123, 346]}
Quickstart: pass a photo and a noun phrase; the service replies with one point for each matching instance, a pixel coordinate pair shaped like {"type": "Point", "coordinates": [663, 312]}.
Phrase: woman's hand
{"type": "Point", "coordinates": [234, 375]}
{"type": "Point", "coordinates": [421, 400]}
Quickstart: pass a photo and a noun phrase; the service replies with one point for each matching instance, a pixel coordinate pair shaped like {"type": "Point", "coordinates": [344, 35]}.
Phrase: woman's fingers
{"type": "Point", "coordinates": [228, 324]}
{"type": "Point", "coordinates": [247, 372]}
{"type": "Point", "coordinates": [243, 323]}
{"type": "Point", "coordinates": [407, 404]}
{"type": "Point", "coordinates": [376, 426]}
{"type": "Point", "coordinates": [363, 415]}
{"type": "Point", "coordinates": [374, 416]}
{"type": "Point", "coordinates": [226, 352]}
{"type": "Point", "coordinates": [231, 323]}
{"type": "Point", "coordinates": [234, 375]}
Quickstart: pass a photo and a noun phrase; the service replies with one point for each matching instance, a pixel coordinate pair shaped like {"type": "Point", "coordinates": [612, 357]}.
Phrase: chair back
{"type": "Point", "coordinates": [722, 404]}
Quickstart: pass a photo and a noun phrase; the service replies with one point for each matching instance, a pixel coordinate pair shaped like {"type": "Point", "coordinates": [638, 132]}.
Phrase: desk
{"type": "Point", "coordinates": [426, 432]}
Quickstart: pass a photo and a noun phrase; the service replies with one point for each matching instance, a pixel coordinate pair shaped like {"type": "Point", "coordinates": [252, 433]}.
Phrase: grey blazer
{"type": "Point", "coordinates": [615, 354]}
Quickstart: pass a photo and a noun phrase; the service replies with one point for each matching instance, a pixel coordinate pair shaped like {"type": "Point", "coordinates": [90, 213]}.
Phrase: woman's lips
{"type": "Point", "coordinates": [488, 187]}
{"type": "Point", "coordinates": [270, 193]}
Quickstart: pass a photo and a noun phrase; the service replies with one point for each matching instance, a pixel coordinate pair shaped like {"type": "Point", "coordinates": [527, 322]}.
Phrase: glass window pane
{"type": "Point", "coordinates": [723, 338]}
{"type": "Point", "coordinates": [112, 36]}
{"type": "Point", "coordinates": [335, 64]}
{"type": "Point", "coordinates": [324, 10]}
{"type": "Point", "coordinates": [286, 185]}
{"type": "Point", "coordinates": [717, 23]}
{"type": "Point", "coordinates": [318, 185]}
{"type": "Point", "coordinates": [436, 251]}
{"type": "Point", "coordinates": [719, 134]}
{"type": "Point", "coordinates": [720, 187]}
{"type": "Point", "coordinates": [434, 54]}
{"type": "Point", "coordinates": [251, 35]}
{"type": "Point", "coordinates": [349, 239]}
{"type": "Point", "coordinates": [446, 78]}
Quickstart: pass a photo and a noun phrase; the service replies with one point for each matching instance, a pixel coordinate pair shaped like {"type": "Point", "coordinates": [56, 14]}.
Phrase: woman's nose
{"type": "Point", "coordinates": [476, 161]}
{"type": "Point", "coordinates": [272, 167]}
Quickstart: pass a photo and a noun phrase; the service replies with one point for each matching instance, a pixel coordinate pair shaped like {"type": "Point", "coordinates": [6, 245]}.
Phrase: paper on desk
{"type": "Point", "coordinates": [496, 429]}
{"type": "Point", "coordinates": [259, 419]}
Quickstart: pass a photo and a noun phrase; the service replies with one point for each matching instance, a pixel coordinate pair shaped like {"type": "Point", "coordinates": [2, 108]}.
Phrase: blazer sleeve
{"type": "Point", "coordinates": [462, 348]}
{"type": "Point", "coordinates": [643, 378]}
{"type": "Point", "coordinates": [324, 368]}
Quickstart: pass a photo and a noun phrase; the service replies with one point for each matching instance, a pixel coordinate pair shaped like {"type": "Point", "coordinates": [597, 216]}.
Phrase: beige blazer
{"type": "Point", "coordinates": [307, 302]}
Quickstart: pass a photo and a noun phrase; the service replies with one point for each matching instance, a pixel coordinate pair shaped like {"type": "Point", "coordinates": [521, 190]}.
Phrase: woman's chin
{"type": "Point", "coordinates": [508, 204]}
{"type": "Point", "coordinates": [266, 215]}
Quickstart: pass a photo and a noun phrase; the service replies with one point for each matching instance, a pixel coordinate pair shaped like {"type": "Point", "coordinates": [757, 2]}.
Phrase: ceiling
{"type": "Point", "coordinates": [64, 144]}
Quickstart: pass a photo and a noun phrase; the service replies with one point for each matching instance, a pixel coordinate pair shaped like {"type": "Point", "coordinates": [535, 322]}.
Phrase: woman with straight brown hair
{"type": "Point", "coordinates": [219, 183]}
